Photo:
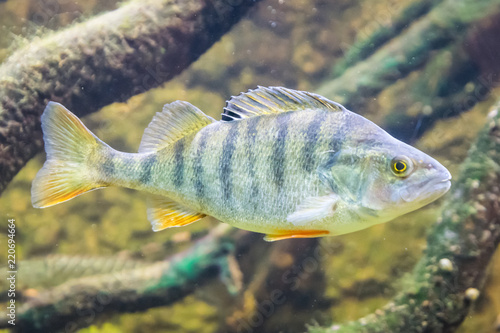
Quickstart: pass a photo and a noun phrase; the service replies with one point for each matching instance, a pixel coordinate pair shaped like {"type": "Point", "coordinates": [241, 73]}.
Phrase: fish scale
{"type": "Point", "coordinates": [282, 162]}
{"type": "Point", "coordinates": [276, 196]}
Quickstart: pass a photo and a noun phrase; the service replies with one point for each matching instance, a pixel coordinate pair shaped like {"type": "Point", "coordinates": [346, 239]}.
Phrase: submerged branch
{"type": "Point", "coordinates": [107, 59]}
{"type": "Point", "coordinates": [446, 23]}
{"type": "Point", "coordinates": [289, 281]}
{"type": "Point", "coordinates": [55, 269]}
{"type": "Point", "coordinates": [80, 302]}
{"type": "Point", "coordinates": [450, 84]}
{"type": "Point", "coordinates": [446, 280]}
{"type": "Point", "coordinates": [364, 47]}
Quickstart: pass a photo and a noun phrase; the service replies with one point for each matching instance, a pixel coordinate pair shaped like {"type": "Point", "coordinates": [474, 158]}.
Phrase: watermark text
{"type": "Point", "coordinates": [11, 271]}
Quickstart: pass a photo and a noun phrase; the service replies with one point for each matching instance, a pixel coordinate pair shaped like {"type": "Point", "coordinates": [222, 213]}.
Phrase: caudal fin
{"type": "Point", "coordinates": [68, 144]}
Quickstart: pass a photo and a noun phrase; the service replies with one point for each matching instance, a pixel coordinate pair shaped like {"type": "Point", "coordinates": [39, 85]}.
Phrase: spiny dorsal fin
{"type": "Point", "coordinates": [164, 213]}
{"type": "Point", "coordinates": [176, 120]}
{"type": "Point", "coordinates": [271, 100]}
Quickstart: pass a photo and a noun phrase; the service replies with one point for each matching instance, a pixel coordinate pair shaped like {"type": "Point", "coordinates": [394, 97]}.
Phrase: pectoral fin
{"type": "Point", "coordinates": [286, 234]}
{"type": "Point", "coordinates": [314, 209]}
{"type": "Point", "coordinates": [164, 213]}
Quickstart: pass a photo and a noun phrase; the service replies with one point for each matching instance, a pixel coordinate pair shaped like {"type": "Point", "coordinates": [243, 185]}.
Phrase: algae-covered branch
{"type": "Point", "coordinates": [80, 302]}
{"type": "Point", "coordinates": [127, 51]}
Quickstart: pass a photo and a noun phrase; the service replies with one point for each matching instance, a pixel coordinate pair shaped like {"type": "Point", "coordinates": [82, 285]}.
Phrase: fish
{"type": "Point", "coordinates": [282, 162]}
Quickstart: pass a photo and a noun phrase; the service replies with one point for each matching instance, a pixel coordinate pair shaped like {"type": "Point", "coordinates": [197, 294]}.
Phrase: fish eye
{"type": "Point", "coordinates": [401, 166]}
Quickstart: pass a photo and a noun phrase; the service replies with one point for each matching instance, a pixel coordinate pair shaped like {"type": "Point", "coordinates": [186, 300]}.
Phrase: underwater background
{"type": "Point", "coordinates": [297, 44]}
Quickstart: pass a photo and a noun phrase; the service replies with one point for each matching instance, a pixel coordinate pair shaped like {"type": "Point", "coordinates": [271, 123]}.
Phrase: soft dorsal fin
{"type": "Point", "coordinates": [271, 100]}
{"type": "Point", "coordinates": [165, 213]}
{"type": "Point", "coordinates": [175, 121]}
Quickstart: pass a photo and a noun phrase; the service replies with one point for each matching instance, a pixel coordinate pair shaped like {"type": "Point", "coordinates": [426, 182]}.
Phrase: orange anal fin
{"type": "Point", "coordinates": [286, 234]}
{"type": "Point", "coordinates": [174, 219]}
{"type": "Point", "coordinates": [164, 213]}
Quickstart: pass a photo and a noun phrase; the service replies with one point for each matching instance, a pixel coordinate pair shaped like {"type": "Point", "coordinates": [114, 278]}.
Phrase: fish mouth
{"type": "Point", "coordinates": [428, 191]}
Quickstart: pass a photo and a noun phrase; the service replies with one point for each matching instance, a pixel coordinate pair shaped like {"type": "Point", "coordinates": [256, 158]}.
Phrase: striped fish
{"type": "Point", "coordinates": [281, 162]}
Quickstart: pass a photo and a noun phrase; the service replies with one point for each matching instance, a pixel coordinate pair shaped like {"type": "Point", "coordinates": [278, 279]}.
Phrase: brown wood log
{"type": "Point", "coordinates": [106, 59]}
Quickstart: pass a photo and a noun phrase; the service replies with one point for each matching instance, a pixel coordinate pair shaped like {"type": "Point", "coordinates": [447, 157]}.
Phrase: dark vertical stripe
{"type": "Point", "coordinates": [198, 166]}
{"type": "Point", "coordinates": [279, 149]}
{"type": "Point", "coordinates": [334, 147]}
{"type": "Point", "coordinates": [251, 135]}
{"type": "Point", "coordinates": [336, 140]}
{"type": "Point", "coordinates": [178, 163]}
{"type": "Point", "coordinates": [108, 167]}
{"type": "Point", "coordinates": [146, 167]}
{"type": "Point", "coordinates": [311, 140]}
{"type": "Point", "coordinates": [225, 162]}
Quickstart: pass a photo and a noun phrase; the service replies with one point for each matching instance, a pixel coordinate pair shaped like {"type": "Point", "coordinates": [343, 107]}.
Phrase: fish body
{"type": "Point", "coordinates": [281, 162]}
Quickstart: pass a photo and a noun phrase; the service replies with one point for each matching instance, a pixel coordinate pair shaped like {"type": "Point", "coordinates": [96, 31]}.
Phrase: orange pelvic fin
{"type": "Point", "coordinates": [286, 234]}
